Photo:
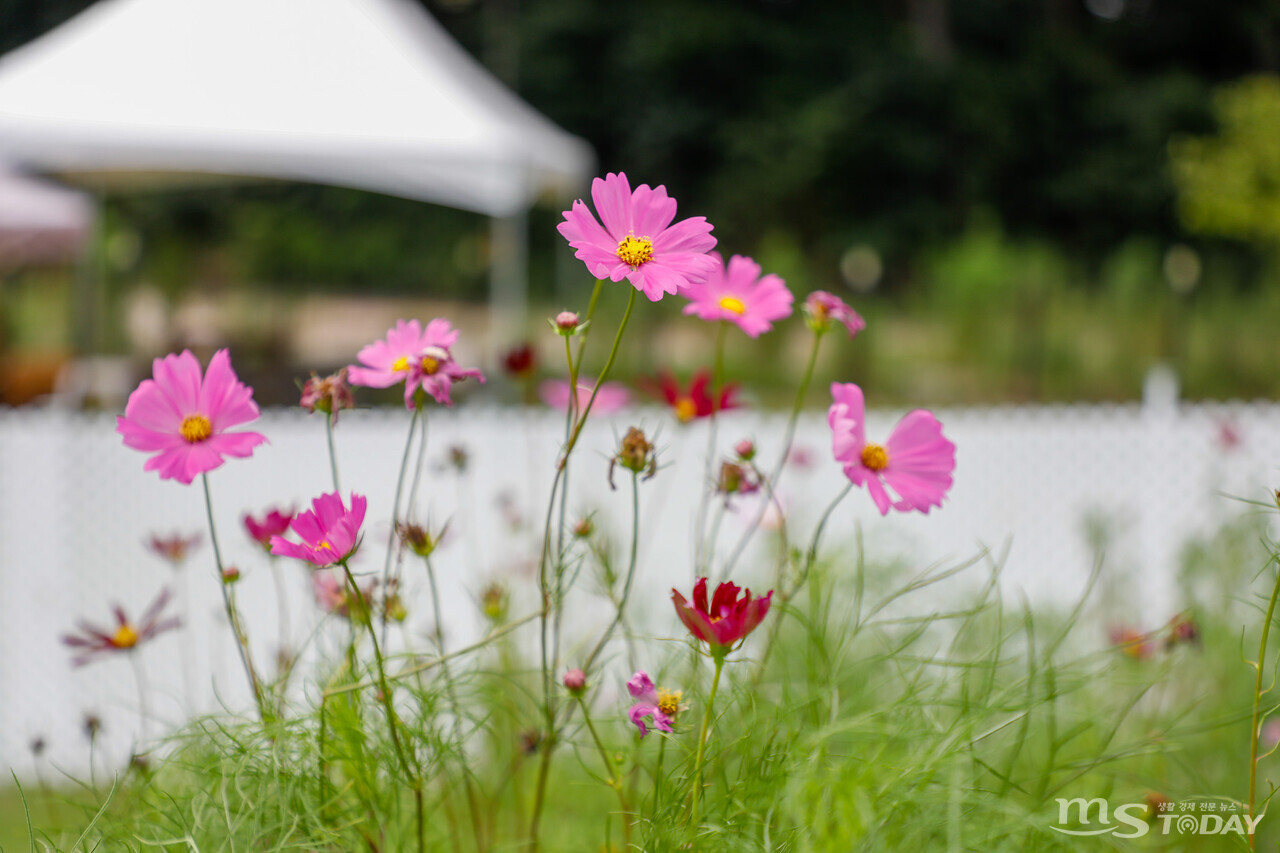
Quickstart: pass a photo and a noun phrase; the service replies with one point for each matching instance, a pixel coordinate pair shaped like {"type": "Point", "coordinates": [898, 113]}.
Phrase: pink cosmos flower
{"type": "Point", "coordinates": [183, 417]}
{"type": "Point", "coordinates": [128, 635]}
{"type": "Point", "coordinates": [330, 394]}
{"type": "Point", "coordinates": [174, 548]}
{"type": "Point", "coordinates": [738, 294]}
{"type": "Point", "coordinates": [330, 532]}
{"type": "Point", "coordinates": [421, 358]}
{"type": "Point", "coordinates": [652, 701]}
{"type": "Point", "coordinates": [274, 523]}
{"type": "Point", "coordinates": [333, 596]}
{"type": "Point", "coordinates": [728, 619]}
{"type": "Point", "coordinates": [638, 241]}
{"type": "Point", "coordinates": [916, 462]}
{"type": "Point", "coordinates": [822, 308]}
{"type": "Point", "coordinates": [612, 396]}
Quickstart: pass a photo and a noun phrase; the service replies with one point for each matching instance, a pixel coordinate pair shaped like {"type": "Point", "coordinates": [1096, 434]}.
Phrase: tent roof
{"type": "Point", "coordinates": [371, 94]}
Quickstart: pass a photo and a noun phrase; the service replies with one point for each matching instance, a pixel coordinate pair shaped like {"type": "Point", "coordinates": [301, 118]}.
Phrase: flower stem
{"type": "Point", "coordinates": [631, 573]}
{"type": "Point", "coordinates": [604, 374]}
{"type": "Point", "coordinates": [696, 789]}
{"type": "Point", "coordinates": [703, 548]}
{"type": "Point", "coordinates": [140, 681]}
{"type": "Point", "coordinates": [776, 474]}
{"type": "Point", "coordinates": [1257, 695]}
{"type": "Point", "coordinates": [615, 779]}
{"type": "Point", "coordinates": [395, 513]}
{"type": "Point", "coordinates": [242, 641]}
{"type": "Point", "coordinates": [333, 456]}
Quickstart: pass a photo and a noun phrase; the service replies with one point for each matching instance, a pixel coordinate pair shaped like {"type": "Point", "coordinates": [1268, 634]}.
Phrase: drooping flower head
{"type": "Point", "coordinates": [916, 462]}
{"type": "Point", "coordinates": [738, 294]}
{"type": "Point", "coordinates": [652, 701]}
{"type": "Point", "coordinates": [638, 241]}
{"type": "Point", "coordinates": [273, 523]}
{"type": "Point", "coordinates": [330, 394]}
{"type": "Point", "coordinates": [822, 309]}
{"type": "Point", "coordinates": [127, 636]}
{"type": "Point", "coordinates": [696, 402]}
{"type": "Point", "coordinates": [421, 358]}
{"type": "Point", "coordinates": [329, 531]}
{"type": "Point", "coordinates": [612, 397]}
{"type": "Point", "coordinates": [174, 548]}
{"type": "Point", "coordinates": [727, 620]}
{"type": "Point", "coordinates": [183, 417]}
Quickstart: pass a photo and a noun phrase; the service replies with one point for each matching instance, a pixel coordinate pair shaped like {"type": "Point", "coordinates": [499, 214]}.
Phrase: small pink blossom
{"type": "Point", "coordinates": [822, 308]}
{"type": "Point", "coordinates": [916, 462]}
{"type": "Point", "coordinates": [567, 321]}
{"type": "Point", "coordinates": [638, 241]}
{"type": "Point", "coordinates": [421, 358]}
{"type": "Point", "coordinates": [612, 397]}
{"type": "Point", "coordinates": [183, 417]}
{"type": "Point", "coordinates": [274, 523]}
{"type": "Point", "coordinates": [329, 531]}
{"type": "Point", "coordinates": [652, 702]}
{"type": "Point", "coordinates": [575, 681]}
{"type": "Point", "coordinates": [739, 295]}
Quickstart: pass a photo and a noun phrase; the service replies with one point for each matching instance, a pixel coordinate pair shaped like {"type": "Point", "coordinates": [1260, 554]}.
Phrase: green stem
{"type": "Point", "coordinates": [333, 456]}
{"type": "Point", "coordinates": [395, 507]}
{"type": "Point", "coordinates": [696, 790]}
{"type": "Point", "coordinates": [615, 779]}
{"type": "Point", "coordinates": [631, 573]}
{"type": "Point", "coordinates": [242, 641]}
{"type": "Point", "coordinates": [604, 374]}
{"type": "Point", "coordinates": [1257, 696]}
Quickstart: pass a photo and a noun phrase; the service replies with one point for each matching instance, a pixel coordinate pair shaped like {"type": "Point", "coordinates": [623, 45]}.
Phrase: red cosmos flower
{"type": "Point", "coordinates": [274, 523]}
{"type": "Point", "coordinates": [697, 401]}
{"type": "Point", "coordinates": [727, 621]}
{"type": "Point", "coordinates": [96, 641]}
{"type": "Point", "coordinates": [520, 362]}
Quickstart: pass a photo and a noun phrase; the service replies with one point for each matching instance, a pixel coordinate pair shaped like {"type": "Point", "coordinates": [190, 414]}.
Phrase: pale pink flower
{"type": "Point", "coordinates": [421, 358]}
{"type": "Point", "coordinates": [638, 241]}
{"type": "Point", "coordinates": [184, 417]}
{"type": "Point", "coordinates": [612, 397]}
{"type": "Point", "coordinates": [737, 293]}
{"type": "Point", "coordinates": [329, 531]}
{"type": "Point", "coordinates": [333, 596]}
{"type": "Point", "coordinates": [917, 461]}
{"type": "Point", "coordinates": [822, 308]}
{"type": "Point", "coordinates": [651, 701]}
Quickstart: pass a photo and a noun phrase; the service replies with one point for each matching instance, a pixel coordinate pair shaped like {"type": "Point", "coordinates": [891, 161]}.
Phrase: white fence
{"type": "Point", "coordinates": [76, 509]}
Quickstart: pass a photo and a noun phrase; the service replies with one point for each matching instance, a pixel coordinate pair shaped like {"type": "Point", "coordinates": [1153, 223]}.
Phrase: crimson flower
{"type": "Point", "coordinates": [183, 416]}
{"type": "Point", "coordinates": [697, 401]}
{"type": "Point", "coordinates": [330, 532]}
{"type": "Point", "coordinates": [127, 635]}
{"type": "Point", "coordinates": [521, 361]}
{"type": "Point", "coordinates": [274, 523]}
{"type": "Point", "coordinates": [729, 618]}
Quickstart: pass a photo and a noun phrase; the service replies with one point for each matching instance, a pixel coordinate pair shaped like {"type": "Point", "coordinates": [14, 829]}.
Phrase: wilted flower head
{"type": "Point", "coordinates": [91, 725]}
{"type": "Point", "coordinates": [493, 601]}
{"type": "Point", "coordinates": [273, 523]}
{"type": "Point", "coordinates": [822, 309]}
{"type": "Point", "coordinates": [612, 397]}
{"type": "Point", "coordinates": [636, 453]}
{"type": "Point", "coordinates": [458, 457]}
{"type": "Point", "coordinates": [736, 479]}
{"type": "Point", "coordinates": [738, 294]}
{"type": "Point", "coordinates": [421, 358]}
{"type": "Point", "coordinates": [329, 531]}
{"type": "Point", "coordinates": [520, 361]}
{"type": "Point", "coordinates": [652, 701]}
{"type": "Point", "coordinates": [916, 462]}
{"type": "Point", "coordinates": [638, 241]}
{"type": "Point", "coordinates": [37, 746]}
{"type": "Point", "coordinates": [330, 394]}
{"type": "Point", "coordinates": [418, 539]}
{"type": "Point", "coordinates": [183, 416]}
{"type": "Point", "coordinates": [174, 548]}
{"type": "Point", "coordinates": [697, 401]}
{"type": "Point", "coordinates": [95, 642]}
{"type": "Point", "coordinates": [584, 528]}
{"type": "Point", "coordinates": [727, 620]}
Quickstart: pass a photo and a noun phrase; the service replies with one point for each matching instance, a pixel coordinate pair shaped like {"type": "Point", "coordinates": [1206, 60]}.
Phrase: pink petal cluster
{"type": "Point", "coordinates": [737, 293]}
{"type": "Point", "coordinates": [612, 397]}
{"type": "Point", "coordinates": [333, 596]}
{"type": "Point", "coordinates": [329, 531]}
{"type": "Point", "coordinates": [824, 308]}
{"type": "Point", "coordinates": [645, 692]}
{"type": "Point", "coordinates": [728, 619]}
{"type": "Point", "coordinates": [183, 417]}
{"type": "Point", "coordinates": [330, 394]}
{"type": "Point", "coordinates": [274, 523]}
{"type": "Point", "coordinates": [638, 241]}
{"type": "Point", "coordinates": [421, 358]}
{"type": "Point", "coordinates": [917, 461]}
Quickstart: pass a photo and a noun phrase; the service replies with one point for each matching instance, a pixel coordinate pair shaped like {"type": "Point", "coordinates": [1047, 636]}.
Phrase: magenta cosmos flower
{"type": "Point", "coordinates": [612, 397]}
{"type": "Point", "coordinates": [638, 241]}
{"type": "Point", "coordinates": [737, 293]}
{"type": "Point", "coordinates": [729, 618]}
{"type": "Point", "coordinates": [652, 701]}
{"type": "Point", "coordinates": [824, 308]}
{"type": "Point", "coordinates": [273, 523]}
{"type": "Point", "coordinates": [916, 462]}
{"type": "Point", "coordinates": [95, 642]}
{"type": "Point", "coordinates": [183, 417]}
{"type": "Point", "coordinates": [329, 531]}
{"type": "Point", "coordinates": [421, 358]}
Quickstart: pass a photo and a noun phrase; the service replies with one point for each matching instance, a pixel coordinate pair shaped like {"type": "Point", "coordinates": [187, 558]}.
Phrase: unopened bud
{"type": "Point", "coordinates": [745, 449]}
{"type": "Point", "coordinates": [584, 528]}
{"type": "Point", "coordinates": [575, 680]}
{"type": "Point", "coordinates": [230, 575]}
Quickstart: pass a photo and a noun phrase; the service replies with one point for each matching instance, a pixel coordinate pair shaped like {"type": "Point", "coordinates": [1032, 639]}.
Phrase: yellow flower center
{"type": "Point", "coordinates": [669, 701]}
{"type": "Point", "coordinates": [401, 364]}
{"type": "Point", "coordinates": [325, 545]}
{"type": "Point", "coordinates": [875, 457]}
{"type": "Point", "coordinates": [195, 428]}
{"type": "Point", "coordinates": [634, 251]}
{"type": "Point", "coordinates": [125, 637]}
{"type": "Point", "coordinates": [430, 365]}
{"type": "Point", "coordinates": [686, 410]}
{"type": "Point", "coordinates": [733, 303]}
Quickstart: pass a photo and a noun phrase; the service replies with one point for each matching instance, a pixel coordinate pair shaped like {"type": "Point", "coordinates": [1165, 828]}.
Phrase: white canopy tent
{"type": "Point", "coordinates": [371, 94]}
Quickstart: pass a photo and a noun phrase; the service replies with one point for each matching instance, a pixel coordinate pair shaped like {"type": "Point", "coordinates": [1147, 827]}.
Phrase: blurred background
{"type": "Point", "coordinates": [1030, 201]}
